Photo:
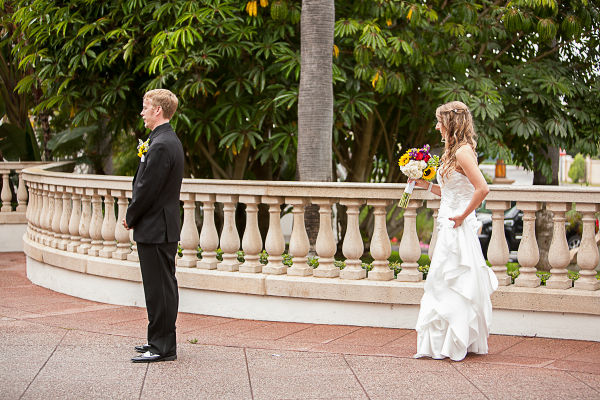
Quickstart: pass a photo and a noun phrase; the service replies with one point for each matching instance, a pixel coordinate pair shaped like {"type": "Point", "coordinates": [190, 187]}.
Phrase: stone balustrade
{"type": "Point", "coordinates": [9, 170]}
{"type": "Point", "coordinates": [74, 223]}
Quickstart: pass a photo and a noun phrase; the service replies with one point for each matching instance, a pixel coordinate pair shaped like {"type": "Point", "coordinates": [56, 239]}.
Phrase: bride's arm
{"type": "Point", "coordinates": [465, 158]}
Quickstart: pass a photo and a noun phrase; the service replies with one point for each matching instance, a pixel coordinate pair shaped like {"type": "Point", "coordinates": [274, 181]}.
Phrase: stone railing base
{"type": "Point", "coordinates": [570, 314]}
{"type": "Point", "coordinates": [11, 233]}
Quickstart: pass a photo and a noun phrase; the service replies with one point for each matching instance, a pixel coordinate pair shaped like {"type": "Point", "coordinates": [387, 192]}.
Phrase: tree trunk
{"type": "Point", "coordinates": [543, 221]}
{"type": "Point", "coordinates": [315, 99]}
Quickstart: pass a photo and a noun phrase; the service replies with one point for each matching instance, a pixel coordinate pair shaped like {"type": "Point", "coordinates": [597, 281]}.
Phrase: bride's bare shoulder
{"type": "Point", "coordinates": [465, 149]}
{"type": "Point", "coordinates": [465, 152]}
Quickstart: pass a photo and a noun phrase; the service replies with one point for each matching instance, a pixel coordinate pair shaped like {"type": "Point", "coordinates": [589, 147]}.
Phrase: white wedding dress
{"type": "Point", "coordinates": [456, 311]}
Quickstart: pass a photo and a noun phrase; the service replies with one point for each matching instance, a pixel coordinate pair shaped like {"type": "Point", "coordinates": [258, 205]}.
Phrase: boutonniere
{"type": "Point", "coordinates": [142, 147]}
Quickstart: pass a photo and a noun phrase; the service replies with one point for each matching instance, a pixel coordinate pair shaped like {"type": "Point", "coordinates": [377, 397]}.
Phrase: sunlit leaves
{"type": "Point", "coordinates": [371, 37]}
{"type": "Point", "coordinates": [346, 27]}
{"type": "Point", "coordinates": [524, 124]}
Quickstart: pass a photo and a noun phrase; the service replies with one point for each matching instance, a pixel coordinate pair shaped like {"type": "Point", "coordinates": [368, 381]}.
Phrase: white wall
{"type": "Point", "coordinates": [11, 237]}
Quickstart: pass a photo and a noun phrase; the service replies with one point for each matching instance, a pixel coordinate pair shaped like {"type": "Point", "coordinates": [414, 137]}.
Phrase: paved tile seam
{"type": "Point", "coordinates": [452, 364]}
{"type": "Point", "coordinates": [248, 374]}
{"type": "Point", "coordinates": [589, 346]}
{"type": "Point", "coordinates": [344, 335]}
{"type": "Point", "coordinates": [584, 382]}
{"type": "Point", "coordinates": [44, 364]}
{"type": "Point", "coordinates": [356, 377]}
{"type": "Point", "coordinates": [143, 381]}
{"type": "Point", "coordinates": [516, 343]}
{"type": "Point", "coordinates": [69, 312]}
{"type": "Point", "coordinates": [393, 340]}
{"type": "Point", "coordinates": [293, 333]}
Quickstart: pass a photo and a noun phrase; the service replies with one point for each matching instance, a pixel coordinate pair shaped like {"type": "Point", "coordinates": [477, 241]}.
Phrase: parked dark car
{"type": "Point", "coordinates": [513, 229]}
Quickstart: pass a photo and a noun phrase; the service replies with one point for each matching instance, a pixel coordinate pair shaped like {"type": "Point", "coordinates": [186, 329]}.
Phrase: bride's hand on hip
{"type": "Point", "coordinates": [458, 220]}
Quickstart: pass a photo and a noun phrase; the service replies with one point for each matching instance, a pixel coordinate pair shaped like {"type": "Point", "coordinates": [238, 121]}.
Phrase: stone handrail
{"type": "Point", "coordinates": [66, 213]}
{"type": "Point", "coordinates": [8, 215]}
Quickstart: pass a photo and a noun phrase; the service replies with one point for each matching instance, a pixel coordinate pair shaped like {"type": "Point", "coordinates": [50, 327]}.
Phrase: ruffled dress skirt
{"type": "Point", "coordinates": [456, 311]}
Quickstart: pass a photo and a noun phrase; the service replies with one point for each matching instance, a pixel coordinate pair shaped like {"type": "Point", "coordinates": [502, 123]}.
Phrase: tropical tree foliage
{"type": "Point", "coordinates": [525, 68]}
{"type": "Point", "coordinates": [17, 137]}
{"type": "Point", "coordinates": [236, 75]}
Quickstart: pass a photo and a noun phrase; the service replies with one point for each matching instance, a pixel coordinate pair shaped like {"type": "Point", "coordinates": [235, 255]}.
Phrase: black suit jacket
{"type": "Point", "coordinates": [154, 210]}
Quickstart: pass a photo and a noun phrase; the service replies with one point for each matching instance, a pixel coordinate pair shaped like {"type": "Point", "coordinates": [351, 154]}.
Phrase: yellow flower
{"type": "Point", "coordinates": [404, 160]}
{"type": "Point", "coordinates": [264, 3]}
{"type": "Point", "coordinates": [336, 51]}
{"type": "Point", "coordinates": [142, 147]}
{"type": "Point", "coordinates": [251, 8]}
{"type": "Point", "coordinates": [388, 22]}
{"type": "Point", "coordinates": [375, 79]}
{"type": "Point", "coordinates": [428, 173]}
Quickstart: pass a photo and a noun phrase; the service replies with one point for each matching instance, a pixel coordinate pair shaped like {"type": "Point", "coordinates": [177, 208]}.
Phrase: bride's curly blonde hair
{"type": "Point", "coordinates": [456, 118]}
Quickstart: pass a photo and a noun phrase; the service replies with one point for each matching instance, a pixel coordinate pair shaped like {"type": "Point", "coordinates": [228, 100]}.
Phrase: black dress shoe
{"type": "Point", "coordinates": [142, 348]}
{"type": "Point", "coordinates": [148, 357]}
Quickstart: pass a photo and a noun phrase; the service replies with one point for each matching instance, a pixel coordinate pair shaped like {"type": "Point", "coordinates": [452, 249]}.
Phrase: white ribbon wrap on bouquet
{"type": "Point", "coordinates": [406, 195]}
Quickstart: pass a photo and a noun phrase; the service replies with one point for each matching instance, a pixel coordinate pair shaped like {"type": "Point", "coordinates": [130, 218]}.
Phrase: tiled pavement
{"type": "Point", "coordinates": [55, 346]}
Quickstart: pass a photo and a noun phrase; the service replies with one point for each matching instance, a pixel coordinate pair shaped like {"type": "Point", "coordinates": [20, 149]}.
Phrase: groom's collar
{"type": "Point", "coordinates": [159, 129]}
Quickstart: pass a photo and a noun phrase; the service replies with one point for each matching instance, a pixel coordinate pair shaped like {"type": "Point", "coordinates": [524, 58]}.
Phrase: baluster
{"type": "Point", "coordinates": [67, 209]}
{"type": "Point", "coordinates": [209, 238]}
{"type": "Point", "coordinates": [353, 246]}
{"type": "Point", "coordinates": [30, 213]}
{"type": "Point", "coordinates": [299, 244]}
{"type": "Point", "coordinates": [251, 241]}
{"type": "Point", "coordinates": [121, 234]}
{"type": "Point", "coordinates": [230, 239]}
{"type": "Point", "coordinates": [5, 195]}
{"type": "Point", "coordinates": [41, 211]}
{"type": "Point", "coordinates": [558, 255]}
{"type": "Point", "coordinates": [75, 221]}
{"type": "Point", "coordinates": [380, 244]}
{"type": "Point", "coordinates": [96, 225]}
{"type": "Point", "coordinates": [435, 206]}
{"type": "Point", "coordinates": [325, 244]}
{"type": "Point", "coordinates": [274, 242]}
{"type": "Point", "coordinates": [85, 221]}
{"type": "Point", "coordinates": [498, 248]}
{"type": "Point", "coordinates": [409, 249]}
{"type": "Point", "coordinates": [189, 232]}
{"type": "Point", "coordinates": [56, 216]}
{"type": "Point", "coordinates": [587, 256]}
{"type": "Point", "coordinates": [528, 254]}
{"type": "Point", "coordinates": [133, 255]}
{"type": "Point", "coordinates": [108, 225]}
{"type": "Point", "coordinates": [21, 194]}
{"type": "Point", "coordinates": [51, 194]}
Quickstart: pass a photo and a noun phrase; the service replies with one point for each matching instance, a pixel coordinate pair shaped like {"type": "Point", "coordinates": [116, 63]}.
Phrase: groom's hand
{"type": "Point", "coordinates": [125, 224]}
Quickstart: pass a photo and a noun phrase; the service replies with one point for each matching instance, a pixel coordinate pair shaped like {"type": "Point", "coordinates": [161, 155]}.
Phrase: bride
{"type": "Point", "coordinates": [456, 310]}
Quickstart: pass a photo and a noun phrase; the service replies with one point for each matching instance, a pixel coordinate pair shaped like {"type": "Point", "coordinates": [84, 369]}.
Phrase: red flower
{"type": "Point", "coordinates": [419, 156]}
{"type": "Point", "coordinates": [427, 157]}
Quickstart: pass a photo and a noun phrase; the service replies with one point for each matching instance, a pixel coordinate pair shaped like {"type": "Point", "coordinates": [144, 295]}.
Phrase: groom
{"type": "Point", "coordinates": [154, 216]}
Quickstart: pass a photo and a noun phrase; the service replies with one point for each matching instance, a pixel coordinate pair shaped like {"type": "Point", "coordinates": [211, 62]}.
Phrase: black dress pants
{"type": "Point", "coordinates": [157, 262]}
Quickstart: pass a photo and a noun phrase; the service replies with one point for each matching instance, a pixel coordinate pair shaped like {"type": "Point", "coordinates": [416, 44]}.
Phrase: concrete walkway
{"type": "Point", "coordinates": [55, 346]}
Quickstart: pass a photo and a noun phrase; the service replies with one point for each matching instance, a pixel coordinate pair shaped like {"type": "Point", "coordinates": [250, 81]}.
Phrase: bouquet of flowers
{"type": "Point", "coordinates": [417, 164]}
